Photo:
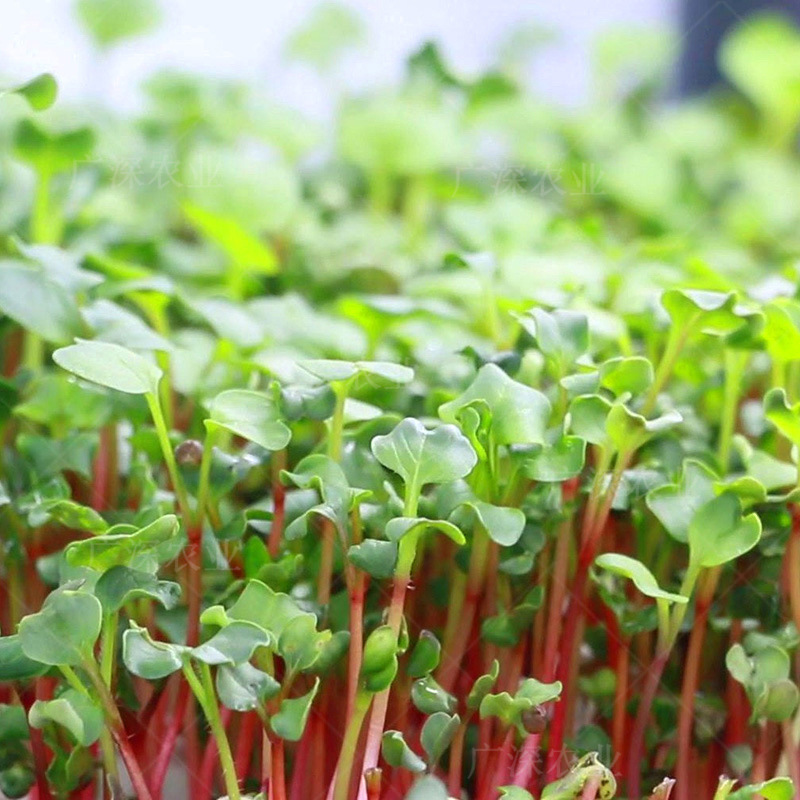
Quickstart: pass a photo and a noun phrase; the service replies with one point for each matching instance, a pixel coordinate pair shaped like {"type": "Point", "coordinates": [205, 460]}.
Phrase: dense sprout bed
{"type": "Point", "coordinates": [449, 451]}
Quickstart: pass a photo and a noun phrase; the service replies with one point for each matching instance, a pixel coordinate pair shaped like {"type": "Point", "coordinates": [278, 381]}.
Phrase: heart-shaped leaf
{"type": "Point", "coordinates": [290, 721]}
{"type": "Point", "coordinates": [243, 687]}
{"type": "Point", "coordinates": [773, 789]}
{"type": "Point", "coordinates": [396, 753]}
{"type": "Point", "coordinates": [427, 788]}
{"type": "Point", "coordinates": [14, 664]}
{"type": "Point", "coordinates": [111, 550]}
{"type": "Point", "coordinates": [561, 335]}
{"type": "Point", "coordinates": [784, 417]}
{"type": "Point", "coordinates": [234, 644]}
{"type": "Point", "coordinates": [38, 304]}
{"type": "Point", "coordinates": [110, 365]}
{"type": "Point", "coordinates": [676, 504]}
{"type": "Point", "coordinates": [73, 711]}
{"type": "Point", "coordinates": [637, 572]}
{"type": "Point", "coordinates": [519, 414]}
{"type": "Point", "coordinates": [502, 525]}
{"type": "Point", "coordinates": [718, 532]}
{"type": "Point", "coordinates": [64, 631]}
{"type": "Point", "coordinates": [40, 92]}
{"type": "Point", "coordinates": [120, 584]}
{"type": "Point", "coordinates": [401, 527]}
{"type": "Point", "coordinates": [554, 463]}
{"type": "Point", "coordinates": [425, 656]}
{"type": "Point", "coordinates": [421, 456]}
{"type": "Point", "coordinates": [375, 557]}
{"type": "Point", "coordinates": [335, 370]}
{"type": "Point", "coordinates": [437, 734]}
{"type": "Point", "coordinates": [147, 658]}
{"type": "Point", "coordinates": [429, 697]}
{"type": "Point", "coordinates": [251, 415]}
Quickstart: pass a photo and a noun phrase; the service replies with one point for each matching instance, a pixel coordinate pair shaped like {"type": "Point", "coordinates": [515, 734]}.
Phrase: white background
{"type": "Point", "coordinates": [245, 37]}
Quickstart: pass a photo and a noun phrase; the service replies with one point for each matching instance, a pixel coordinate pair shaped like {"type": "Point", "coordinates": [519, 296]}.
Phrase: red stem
{"type": "Point", "coordinates": [691, 676]}
{"type": "Point", "coordinates": [527, 761]}
{"type": "Point", "coordinates": [27, 696]}
{"type": "Point", "coordinates": [652, 680]}
{"type": "Point", "coordinates": [167, 746]}
{"type": "Point", "coordinates": [277, 775]}
{"type": "Point", "coordinates": [278, 503]}
{"type": "Point", "coordinates": [245, 744]}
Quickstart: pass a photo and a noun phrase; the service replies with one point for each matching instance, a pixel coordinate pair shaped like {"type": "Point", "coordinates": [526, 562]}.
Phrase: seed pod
{"type": "Point", "coordinates": [534, 720]}
{"type": "Point", "coordinates": [380, 650]}
{"type": "Point", "coordinates": [189, 453]}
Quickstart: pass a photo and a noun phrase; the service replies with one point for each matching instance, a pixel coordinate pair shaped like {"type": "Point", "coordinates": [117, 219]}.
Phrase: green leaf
{"type": "Point", "coordinates": [244, 688]}
{"type": "Point", "coordinates": [425, 656]}
{"type": "Point", "coordinates": [709, 312]}
{"type": "Point", "coordinates": [719, 533]}
{"type": "Point", "coordinates": [427, 788]}
{"type": "Point", "coordinates": [111, 21]}
{"type": "Point", "coordinates": [781, 333]}
{"type": "Point", "coordinates": [514, 793]}
{"type": "Point", "coordinates": [335, 370]}
{"type": "Point", "coordinates": [147, 658]}
{"type": "Point", "coordinates": [258, 604]}
{"type": "Point", "coordinates": [50, 153]}
{"type": "Point", "coordinates": [637, 572]}
{"type": "Point", "coordinates": [120, 584]}
{"type": "Point", "coordinates": [429, 697]}
{"type": "Point", "coordinates": [587, 418]}
{"type": "Point", "coordinates": [518, 413]}
{"type": "Point", "coordinates": [375, 557]}
{"type": "Point", "coordinates": [74, 515]}
{"type": "Point", "coordinates": [73, 711]}
{"type": "Point", "coordinates": [437, 734]}
{"type": "Point", "coordinates": [396, 753]}
{"type": "Point", "coordinates": [111, 549]}
{"type": "Point", "coordinates": [773, 789]}
{"type": "Point", "coordinates": [246, 251]}
{"type": "Point", "coordinates": [331, 29]}
{"type": "Point", "coordinates": [400, 527]}
{"type": "Point", "coordinates": [626, 375]}
{"type": "Point", "coordinates": [510, 710]}
{"type": "Point", "coordinates": [40, 92]}
{"type": "Point", "coordinates": [503, 525]}
{"type": "Point", "coordinates": [675, 504]}
{"type": "Point", "coordinates": [300, 643]}
{"type": "Point", "coordinates": [557, 462]}
{"type": "Point", "coordinates": [37, 303]}
{"type": "Point", "coordinates": [64, 631]}
{"type": "Point", "coordinates": [14, 664]}
{"type": "Point", "coordinates": [251, 415]}
{"type": "Point", "coordinates": [110, 365]}
{"type": "Point", "coordinates": [421, 456]}
{"type": "Point", "coordinates": [290, 721]}
{"type": "Point", "coordinates": [323, 474]}
{"type": "Point", "coordinates": [561, 335]}
{"type": "Point", "coordinates": [482, 686]}
{"type": "Point", "coordinates": [628, 431]}
{"type": "Point", "coordinates": [784, 417]}
{"type": "Point", "coordinates": [232, 645]}
{"type": "Point", "coordinates": [762, 58]}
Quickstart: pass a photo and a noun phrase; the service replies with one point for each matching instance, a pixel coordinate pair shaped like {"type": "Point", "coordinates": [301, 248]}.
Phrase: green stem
{"type": "Point", "coordinates": [41, 228]}
{"type": "Point", "coordinates": [336, 434]}
{"type": "Point", "coordinates": [211, 709]}
{"type": "Point", "coordinates": [203, 480]}
{"type": "Point", "coordinates": [108, 647]}
{"type": "Point", "coordinates": [675, 341]}
{"type": "Point", "coordinates": [735, 363]}
{"type": "Point", "coordinates": [344, 769]}
{"type": "Point", "coordinates": [169, 455]}
{"type": "Point", "coordinates": [117, 729]}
